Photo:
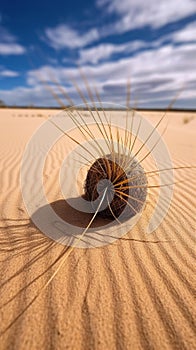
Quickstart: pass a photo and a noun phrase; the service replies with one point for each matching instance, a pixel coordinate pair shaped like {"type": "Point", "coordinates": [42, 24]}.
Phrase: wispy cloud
{"type": "Point", "coordinates": [157, 67]}
{"type": "Point", "coordinates": [63, 36]}
{"type": "Point", "coordinates": [105, 51]}
{"type": "Point", "coordinates": [11, 49]}
{"type": "Point", "coordinates": [8, 44]}
{"type": "Point", "coordinates": [156, 76]}
{"type": "Point", "coordinates": [7, 73]}
{"type": "Point", "coordinates": [130, 16]}
{"type": "Point", "coordinates": [25, 96]}
{"type": "Point", "coordinates": [137, 14]}
{"type": "Point", "coordinates": [187, 34]}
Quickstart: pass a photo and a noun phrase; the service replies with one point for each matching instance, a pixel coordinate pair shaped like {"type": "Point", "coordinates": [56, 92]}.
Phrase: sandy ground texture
{"type": "Point", "coordinates": [137, 293]}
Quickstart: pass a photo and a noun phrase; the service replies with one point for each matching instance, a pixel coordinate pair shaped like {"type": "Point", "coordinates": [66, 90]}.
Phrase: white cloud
{"type": "Point", "coordinates": [7, 73]}
{"type": "Point", "coordinates": [46, 74]}
{"type": "Point", "coordinates": [24, 96]}
{"type": "Point", "coordinates": [186, 34]}
{"type": "Point", "coordinates": [64, 36]}
{"type": "Point", "coordinates": [138, 13]}
{"type": "Point", "coordinates": [156, 75]}
{"type": "Point", "coordinates": [9, 45]}
{"type": "Point", "coordinates": [11, 49]}
{"type": "Point", "coordinates": [105, 51]}
{"type": "Point", "coordinates": [131, 15]}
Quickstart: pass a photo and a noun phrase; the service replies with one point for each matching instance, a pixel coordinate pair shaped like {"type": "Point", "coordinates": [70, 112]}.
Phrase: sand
{"type": "Point", "coordinates": [137, 293]}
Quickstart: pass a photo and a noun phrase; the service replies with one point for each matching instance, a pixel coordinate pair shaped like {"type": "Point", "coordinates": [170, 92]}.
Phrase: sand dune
{"type": "Point", "coordinates": [137, 293]}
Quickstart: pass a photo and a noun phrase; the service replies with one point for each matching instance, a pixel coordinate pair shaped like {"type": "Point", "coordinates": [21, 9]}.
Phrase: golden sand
{"type": "Point", "coordinates": [137, 293]}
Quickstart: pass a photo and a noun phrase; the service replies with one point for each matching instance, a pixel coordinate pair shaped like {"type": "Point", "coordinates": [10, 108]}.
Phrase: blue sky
{"type": "Point", "coordinates": [152, 44]}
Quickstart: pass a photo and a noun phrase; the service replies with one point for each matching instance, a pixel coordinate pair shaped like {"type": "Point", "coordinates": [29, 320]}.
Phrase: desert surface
{"type": "Point", "coordinates": [135, 293]}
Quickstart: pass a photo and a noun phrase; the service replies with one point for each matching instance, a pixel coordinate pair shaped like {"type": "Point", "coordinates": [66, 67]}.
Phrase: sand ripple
{"type": "Point", "coordinates": [138, 293]}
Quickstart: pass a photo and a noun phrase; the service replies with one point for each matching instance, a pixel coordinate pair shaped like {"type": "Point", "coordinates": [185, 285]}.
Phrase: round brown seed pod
{"type": "Point", "coordinates": [125, 190]}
